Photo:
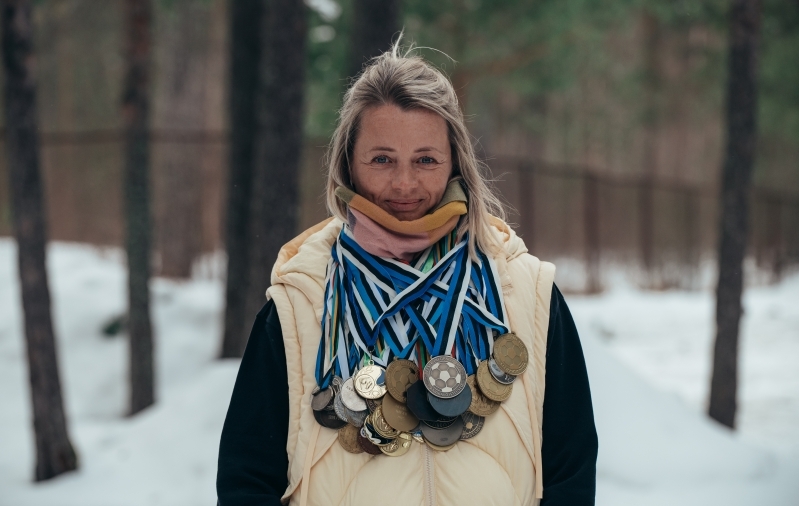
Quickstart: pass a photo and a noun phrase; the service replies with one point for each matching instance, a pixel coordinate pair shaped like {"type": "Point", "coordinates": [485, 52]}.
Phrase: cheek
{"type": "Point", "coordinates": [368, 183]}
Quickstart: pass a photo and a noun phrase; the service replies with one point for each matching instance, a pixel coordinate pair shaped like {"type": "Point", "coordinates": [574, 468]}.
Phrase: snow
{"type": "Point", "coordinates": [647, 354]}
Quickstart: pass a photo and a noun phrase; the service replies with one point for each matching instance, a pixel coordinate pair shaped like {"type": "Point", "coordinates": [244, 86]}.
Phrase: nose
{"type": "Point", "coordinates": [404, 177]}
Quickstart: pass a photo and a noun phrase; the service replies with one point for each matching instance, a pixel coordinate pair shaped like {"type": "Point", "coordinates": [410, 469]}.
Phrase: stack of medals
{"type": "Point", "coordinates": [444, 407]}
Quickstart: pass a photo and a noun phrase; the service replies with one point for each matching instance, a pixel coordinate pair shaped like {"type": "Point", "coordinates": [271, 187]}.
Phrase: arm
{"type": "Point", "coordinates": [253, 463]}
{"type": "Point", "coordinates": [569, 445]}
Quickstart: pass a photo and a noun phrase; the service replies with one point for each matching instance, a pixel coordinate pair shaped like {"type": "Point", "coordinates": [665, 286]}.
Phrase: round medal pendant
{"type": "Point", "coordinates": [510, 354]}
{"type": "Point", "coordinates": [445, 436]}
{"type": "Point", "coordinates": [499, 374]}
{"type": "Point", "coordinates": [418, 403]}
{"type": "Point", "coordinates": [350, 397]}
{"type": "Point", "coordinates": [481, 405]}
{"type": "Point", "coordinates": [348, 439]}
{"type": "Point", "coordinates": [440, 448]}
{"type": "Point", "coordinates": [321, 399]}
{"type": "Point", "coordinates": [443, 423]}
{"type": "Point", "coordinates": [454, 406]}
{"type": "Point", "coordinates": [368, 446]}
{"type": "Point", "coordinates": [342, 412]}
{"type": "Point", "coordinates": [398, 415]}
{"type": "Point", "coordinates": [399, 446]}
{"type": "Point", "coordinates": [490, 387]}
{"type": "Point", "coordinates": [357, 417]}
{"type": "Point", "coordinates": [400, 375]}
{"type": "Point", "coordinates": [369, 432]}
{"type": "Point", "coordinates": [381, 425]}
{"type": "Point", "coordinates": [444, 377]}
{"type": "Point", "coordinates": [328, 419]}
{"type": "Point", "coordinates": [370, 382]}
{"type": "Point", "coordinates": [472, 424]}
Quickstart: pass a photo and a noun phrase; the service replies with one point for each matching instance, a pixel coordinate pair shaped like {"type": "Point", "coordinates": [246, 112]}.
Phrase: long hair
{"type": "Point", "coordinates": [409, 82]}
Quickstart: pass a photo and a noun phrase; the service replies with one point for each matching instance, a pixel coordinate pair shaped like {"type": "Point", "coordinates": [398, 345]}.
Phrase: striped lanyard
{"type": "Point", "coordinates": [377, 309]}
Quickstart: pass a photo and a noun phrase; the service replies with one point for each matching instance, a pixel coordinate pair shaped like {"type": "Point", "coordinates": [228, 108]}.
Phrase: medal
{"type": "Point", "coordinates": [398, 415]}
{"type": "Point", "coordinates": [472, 424]}
{"type": "Point", "coordinates": [348, 439]}
{"type": "Point", "coordinates": [440, 448]}
{"type": "Point", "coordinates": [328, 419]}
{"type": "Point", "coordinates": [499, 374]}
{"type": "Point", "coordinates": [350, 397]}
{"type": "Point", "coordinates": [370, 382]}
{"type": "Point", "coordinates": [481, 405]}
{"type": "Point", "coordinates": [418, 403]}
{"type": "Point", "coordinates": [368, 446]}
{"type": "Point", "coordinates": [445, 436]}
{"type": "Point", "coordinates": [490, 387]}
{"type": "Point", "coordinates": [399, 446]}
{"type": "Point", "coordinates": [320, 399]}
{"type": "Point", "coordinates": [444, 377]}
{"type": "Point", "coordinates": [454, 406]}
{"type": "Point", "coordinates": [400, 375]}
{"type": "Point", "coordinates": [510, 354]}
{"type": "Point", "coordinates": [372, 404]}
{"type": "Point", "coordinates": [381, 425]}
{"type": "Point", "coordinates": [369, 432]}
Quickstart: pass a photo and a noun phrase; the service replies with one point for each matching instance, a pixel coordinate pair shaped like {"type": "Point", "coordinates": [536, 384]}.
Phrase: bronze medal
{"type": "Point", "coordinates": [400, 375]}
{"type": "Point", "coordinates": [499, 374]}
{"type": "Point", "coordinates": [444, 377]}
{"type": "Point", "coordinates": [454, 406]}
{"type": "Point", "coordinates": [490, 387]}
{"type": "Point", "coordinates": [481, 405]}
{"type": "Point", "coordinates": [350, 397]}
{"type": "Point", "coordinates": [368, 446]}
{"type": "Point", "coordinates": [445, 436]}
{"type": "Point", "coordinates": [348, 439]}
{"type": "Point", "coordinates": [510, 354]}
{"type": "Point", "coordinates": [472, 424]}
{"type": "Point", "coordinates": [399, 446]}
{"type": "Point", "coordinates": [370, 382]}
{"type": "Point", "coordinates": [328, 419]}
{"type": "Point", "coordinates": [398, 415]}
{"type": "Point", "coordinates": [381, 425]}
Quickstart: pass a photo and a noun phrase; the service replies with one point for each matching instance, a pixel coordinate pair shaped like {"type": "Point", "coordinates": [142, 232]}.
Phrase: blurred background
{"type": "Point", "coordinates": [605, 125]}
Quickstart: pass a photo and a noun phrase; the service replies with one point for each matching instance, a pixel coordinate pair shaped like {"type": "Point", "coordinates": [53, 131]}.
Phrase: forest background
{"type": "Point", "coordinates": [607, 115]}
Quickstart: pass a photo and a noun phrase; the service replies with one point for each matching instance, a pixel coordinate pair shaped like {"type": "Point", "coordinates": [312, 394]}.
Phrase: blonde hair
{"type": "Point", "coordinates": [409, 82]}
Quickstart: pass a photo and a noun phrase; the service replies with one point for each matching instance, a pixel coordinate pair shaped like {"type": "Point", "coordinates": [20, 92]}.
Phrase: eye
{"type": "Point", "coordinates": [380, 159]}
{"type": "Point", "coordinates": [426, 160]}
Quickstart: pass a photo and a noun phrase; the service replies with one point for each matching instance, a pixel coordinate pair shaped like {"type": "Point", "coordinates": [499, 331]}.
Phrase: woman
{"type": "Point", "coordinates": [410, 351]}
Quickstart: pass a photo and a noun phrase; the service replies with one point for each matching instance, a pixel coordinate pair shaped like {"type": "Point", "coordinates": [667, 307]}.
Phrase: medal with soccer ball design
{"type": "Point", "coordinates": [444, 377]}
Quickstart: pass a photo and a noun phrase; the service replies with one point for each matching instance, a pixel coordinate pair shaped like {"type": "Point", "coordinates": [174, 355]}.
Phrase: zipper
{"type": "Point", "coordinates": [429, 477]}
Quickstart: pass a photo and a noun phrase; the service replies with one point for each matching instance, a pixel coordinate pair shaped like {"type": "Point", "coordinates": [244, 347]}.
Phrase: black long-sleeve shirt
{"type": "Point", "coordinates": [253, 463]}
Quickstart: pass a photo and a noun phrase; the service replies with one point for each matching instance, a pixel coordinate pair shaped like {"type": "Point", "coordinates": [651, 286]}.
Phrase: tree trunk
{"type": "Point", "coordinates": [54, 452]}
{"type": "Point", "coordinates": [245, 51]}
{"type": "Point", "coordinates": [135, 110]}
{"type": "Point", "coordinates": [735, 189]}
{"type": "Point", "coordinates": [278, 142]}
{"type": "Point", "coordinates": [186, 32]}
{"type": "Point", "coordinates": [375, 23]}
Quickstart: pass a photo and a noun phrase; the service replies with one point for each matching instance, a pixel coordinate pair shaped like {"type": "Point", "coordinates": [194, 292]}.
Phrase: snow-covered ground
{"type": "Point", "coordinates": [647, 353]}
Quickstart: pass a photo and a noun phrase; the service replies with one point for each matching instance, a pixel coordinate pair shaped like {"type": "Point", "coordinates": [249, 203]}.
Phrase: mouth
{"type": "Point", "coordinates": [404, 205]}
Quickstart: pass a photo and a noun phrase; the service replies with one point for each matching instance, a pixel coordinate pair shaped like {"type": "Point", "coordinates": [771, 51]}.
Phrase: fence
{"type": "Point", "coordinates": [662, 229]}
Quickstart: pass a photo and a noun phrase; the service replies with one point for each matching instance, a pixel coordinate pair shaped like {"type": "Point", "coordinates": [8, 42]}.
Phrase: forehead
{"type": "Point", "coordinates": [391, 126]}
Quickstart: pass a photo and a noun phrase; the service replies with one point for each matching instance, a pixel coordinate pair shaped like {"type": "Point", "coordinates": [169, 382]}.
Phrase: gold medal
{"type": "Point", "coordinates": [381, 425]}
{"type": "Point", "coordinates": [348, 439]}
{"type": "Point", "coordinates": [400, 375]}
{"type": "Point", "coordinates": [370, 382]}
{"type": "Point", "coordinates": [398, 415]}
{"type": "Point", "coordinates": [490, 387]}
{"type": "Point", "coordinates": [399, 446]}
{"type": "Point", "coordinates": [510, 354]}
{"type": "Point", "coordinates": [481, 405]}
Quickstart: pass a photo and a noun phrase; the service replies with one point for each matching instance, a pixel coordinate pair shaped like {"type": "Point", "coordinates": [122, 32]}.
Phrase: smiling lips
{"type": "Point", "coordinates": [403, 204]}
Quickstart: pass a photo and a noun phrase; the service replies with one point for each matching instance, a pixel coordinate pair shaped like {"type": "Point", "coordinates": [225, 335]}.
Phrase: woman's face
{"type": "Point", "coordinates": [402, 160]}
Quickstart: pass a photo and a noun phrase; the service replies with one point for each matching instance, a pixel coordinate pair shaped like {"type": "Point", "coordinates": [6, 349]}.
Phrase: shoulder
{"type": "Point", "coordinates": [308, 253]}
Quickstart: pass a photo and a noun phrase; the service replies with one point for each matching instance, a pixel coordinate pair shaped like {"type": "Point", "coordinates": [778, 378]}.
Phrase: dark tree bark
{"type": "Point", "coordinates": [735, 188]}
{"type": "Point", "coordinates": [54, 452]}
{"type": "Point", "coordinates": [185, 44]}
{"type": "Point", "coordinates": [278, 142]}
{"type": "Point", "coordinates": [245, 51]}
{"type": "Point", "coordinates": [375, 23]}
{"type": "Point", "coordinates": [136, 115]}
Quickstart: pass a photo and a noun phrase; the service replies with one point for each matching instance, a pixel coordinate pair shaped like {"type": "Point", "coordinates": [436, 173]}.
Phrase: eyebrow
{"type": "Point", "coordinates": [392, 150]}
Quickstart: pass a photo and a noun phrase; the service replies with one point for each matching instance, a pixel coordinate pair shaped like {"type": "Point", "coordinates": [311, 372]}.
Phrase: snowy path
{"type": "Point", "coordinates": [646, 353]}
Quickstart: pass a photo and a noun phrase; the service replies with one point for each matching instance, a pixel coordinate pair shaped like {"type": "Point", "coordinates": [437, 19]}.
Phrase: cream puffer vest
{"type": "Point", "coordinates": [500, 466]}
